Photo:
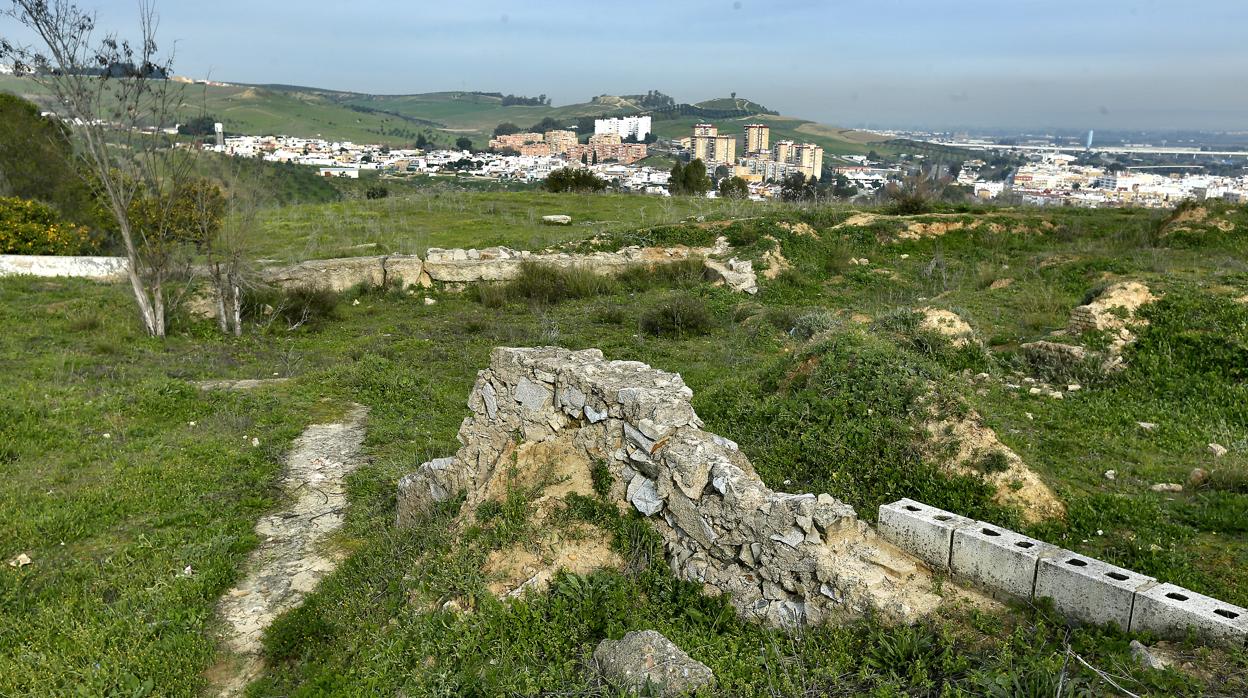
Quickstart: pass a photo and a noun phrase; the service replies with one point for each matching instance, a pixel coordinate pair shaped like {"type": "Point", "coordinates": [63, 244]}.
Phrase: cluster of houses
{"type": "Point", "coordinates": [1056, 178]}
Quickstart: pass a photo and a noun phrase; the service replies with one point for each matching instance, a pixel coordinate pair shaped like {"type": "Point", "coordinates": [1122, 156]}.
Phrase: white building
{"type": "Point", "coordinates": [636, 126]}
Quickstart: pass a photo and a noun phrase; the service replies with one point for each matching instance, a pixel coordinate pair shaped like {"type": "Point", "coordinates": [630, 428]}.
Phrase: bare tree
{"type": "Point", "coordinates": [115, 96]}
{"type": "Point", "coordinates": [226, 246]}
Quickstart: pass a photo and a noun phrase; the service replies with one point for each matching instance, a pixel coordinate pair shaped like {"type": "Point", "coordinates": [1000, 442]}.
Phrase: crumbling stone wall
{"type": "Point", "coordinates": [453, 266]}
{"type": "Point", "coordinates": [784, 559]}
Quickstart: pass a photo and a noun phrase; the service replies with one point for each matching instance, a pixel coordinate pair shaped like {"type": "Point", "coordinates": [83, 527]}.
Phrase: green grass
{"type": "Point", "coordinates": [412, 222]}
{"type": "Point", "coordinates": [110, 612]}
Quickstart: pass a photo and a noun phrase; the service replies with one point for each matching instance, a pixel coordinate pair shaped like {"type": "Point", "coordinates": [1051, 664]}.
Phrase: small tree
{"type": "Point", "coordinates": [796, 187]}
{"type": "Point", "coordinates": [733, 188]}
{"type": "Point", "coordinates": [118, 98]}
{"type": "Point", "coordinates": [463, 143]}
{"type": "Point", "coordinates": [696, 183]}
{"type": "Point", "coordinates": [676, 179]}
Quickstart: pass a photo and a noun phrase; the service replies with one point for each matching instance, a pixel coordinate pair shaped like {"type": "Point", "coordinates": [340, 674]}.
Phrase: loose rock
{"type": "Point", "coordinates": [645, 660]}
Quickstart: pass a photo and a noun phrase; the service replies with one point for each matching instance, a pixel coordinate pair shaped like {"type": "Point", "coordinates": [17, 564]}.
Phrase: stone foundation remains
{"type": "Point", "coordinates": [455, 266]}
{"type": "Point", "coordinates": [784, 559]}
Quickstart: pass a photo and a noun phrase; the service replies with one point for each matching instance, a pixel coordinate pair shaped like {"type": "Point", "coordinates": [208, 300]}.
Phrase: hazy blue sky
{"type": "Point", "coordinates": [1015, 63]}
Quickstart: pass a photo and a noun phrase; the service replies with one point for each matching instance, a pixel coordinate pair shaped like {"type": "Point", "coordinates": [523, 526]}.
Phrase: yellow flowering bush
{"type": "Point", "coordinates": [29, 227]}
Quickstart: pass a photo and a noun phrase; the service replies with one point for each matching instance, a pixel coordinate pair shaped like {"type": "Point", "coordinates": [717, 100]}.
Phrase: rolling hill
{"type": "Point", "coordinates": [444, 116]}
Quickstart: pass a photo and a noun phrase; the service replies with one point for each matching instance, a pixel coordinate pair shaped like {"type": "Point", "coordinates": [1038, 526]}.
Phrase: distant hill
{"type": "Point", "coordinates": [738, 104]}
{"type": "Point", "coordinates": [442, 117]}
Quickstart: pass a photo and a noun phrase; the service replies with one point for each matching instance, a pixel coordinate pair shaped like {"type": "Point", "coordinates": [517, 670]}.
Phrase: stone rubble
{"type": "Point", "coordinates": [784, 559]}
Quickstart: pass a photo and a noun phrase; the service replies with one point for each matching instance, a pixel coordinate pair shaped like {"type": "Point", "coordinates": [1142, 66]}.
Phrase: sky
{"type": "Point", "coordinates": [1013, 64]}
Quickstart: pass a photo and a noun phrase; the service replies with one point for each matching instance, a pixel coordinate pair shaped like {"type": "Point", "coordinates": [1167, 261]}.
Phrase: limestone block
{"type": "Point", "coordinates": [1170, 610]}
{"type": "Point", "coordinates": [998, 558]}
{"type": "Point", "coordinates": [923, 531]}
{"type": "Point", "coordinates": [1089, 590]}
{"type": "Point", "coordinates": [407, 270]}
{"type": "Point", "coordinates": [332, 274]}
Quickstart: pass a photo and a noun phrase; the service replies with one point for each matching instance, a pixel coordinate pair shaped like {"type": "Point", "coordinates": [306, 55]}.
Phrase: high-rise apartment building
{"type": "Point", "coordinates": [757, 138]}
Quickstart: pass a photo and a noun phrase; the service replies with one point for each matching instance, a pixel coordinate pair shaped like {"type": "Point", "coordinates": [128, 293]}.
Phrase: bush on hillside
{"type": "Point", "coordinates": [295, 306]}
{"type": "Point", "coordinates": [678, 315]}
{"type": "Point", "coordinates": [568, 179]}
{"type": "Point", "coordinates": [29, 227]}
{"type": "Point", "coordinates": [545, 284]}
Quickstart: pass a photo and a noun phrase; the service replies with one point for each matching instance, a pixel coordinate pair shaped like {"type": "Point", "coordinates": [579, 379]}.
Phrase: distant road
{"type": "Point", "coordinates": [1127, 150]}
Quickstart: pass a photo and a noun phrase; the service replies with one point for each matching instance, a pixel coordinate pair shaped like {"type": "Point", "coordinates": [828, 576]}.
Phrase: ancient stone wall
{"type": "Point", "coordinates": [784, 559]}
{"type": "Point", "coordinates": [454, 266]}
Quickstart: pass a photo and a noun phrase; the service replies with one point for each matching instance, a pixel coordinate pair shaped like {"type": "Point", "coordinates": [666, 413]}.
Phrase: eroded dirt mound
{"type": "Point", "coordinates": [775, 261]}
{"type": "Point", "coordinates": [948, 324]}
{"type": "Point", "coordinates": [1195, 218]}
{"type": "Point", "coordinates": [800, 229]}
{"type": "Point", "coordinates": [547, 472]}
{"type": "Point", "coordinates": [971, 447]}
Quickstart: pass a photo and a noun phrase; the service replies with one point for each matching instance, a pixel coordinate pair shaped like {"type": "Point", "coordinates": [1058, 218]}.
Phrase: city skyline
{"type": "Point", "coordinates": [898, 64]}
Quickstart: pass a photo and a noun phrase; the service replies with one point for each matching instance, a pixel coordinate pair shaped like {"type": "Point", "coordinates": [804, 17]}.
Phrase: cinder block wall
{"type": "Point", "coordinates": [1085, 589]}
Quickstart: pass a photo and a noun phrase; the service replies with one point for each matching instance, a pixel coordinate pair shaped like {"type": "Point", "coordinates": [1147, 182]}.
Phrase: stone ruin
{"type": "Point", "coordinates": [783, 559]}
{"type": "Point", "coordinates": [1114, 311]}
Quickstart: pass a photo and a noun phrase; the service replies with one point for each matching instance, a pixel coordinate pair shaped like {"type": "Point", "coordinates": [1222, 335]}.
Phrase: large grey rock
{"type": "Point", "coordinates": [644, 661]}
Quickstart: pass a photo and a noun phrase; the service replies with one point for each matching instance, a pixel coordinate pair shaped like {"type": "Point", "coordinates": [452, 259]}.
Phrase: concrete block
{"type": "Point", "coordinates": [923, 531]}
{"type": "Point", "coordinates": [998, 558]}
{"type": "Point", "coordinates": [1089, 590]}
{"type": "Point", "coordinates": [1169, 610]}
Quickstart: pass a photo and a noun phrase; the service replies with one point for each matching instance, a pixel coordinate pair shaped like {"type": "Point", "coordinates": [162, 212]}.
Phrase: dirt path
{"type": "Point", "coordinates": [291, 558]}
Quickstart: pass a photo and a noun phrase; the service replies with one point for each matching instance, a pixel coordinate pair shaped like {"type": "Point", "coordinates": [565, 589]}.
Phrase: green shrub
{"type": "Point", "coordinates": [297, 306]}
{"type": "Point", "coordinates": [812, 322]}
{"type": "Point", "coordinates": [574, 180]}
{"type": "Point", "coordinates": [489, 295]}
{"type": "Point", "coordinates": [29, 227]}
{"type": "Point", "coordinates": [610, 314]}
{"type": "Point", "coordinates": [545, 284]}
{"type": "Point", "coordinates": [678, 315]}
{"type": "Point", "coordinates": [678, 274]}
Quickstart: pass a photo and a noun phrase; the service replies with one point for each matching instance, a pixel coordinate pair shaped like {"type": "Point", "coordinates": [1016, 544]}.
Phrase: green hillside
{"type": "Point", "coordinates": [739, 103]}
{"type": "Point", "coordinates": [444, 116]}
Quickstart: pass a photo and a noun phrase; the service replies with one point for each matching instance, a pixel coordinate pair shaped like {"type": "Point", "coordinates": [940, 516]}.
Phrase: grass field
{"type": "Point", "coordinates": [118, 473]}
{"type": "Point", "coordinates": [411, 222]}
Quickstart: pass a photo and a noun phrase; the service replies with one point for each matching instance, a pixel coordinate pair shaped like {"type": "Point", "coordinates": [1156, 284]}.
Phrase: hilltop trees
{"type": "Point", "coordinates": [506, 129]}
{"type": "Point", "coordinates": [689, 180]}
{"type": "Point", "coordinates": [463, 143]}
